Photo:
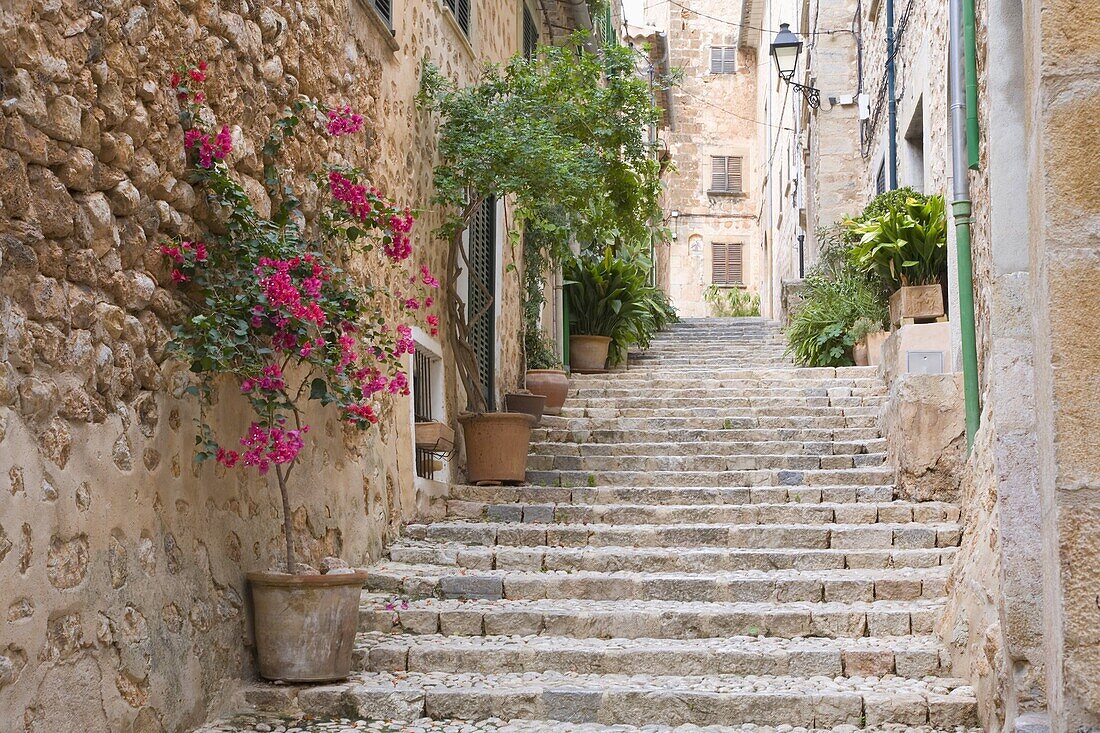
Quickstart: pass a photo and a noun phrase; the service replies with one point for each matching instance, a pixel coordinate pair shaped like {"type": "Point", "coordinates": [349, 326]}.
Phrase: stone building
{"type": "Point", "coordinates": [709, 133]}
{"type": "Point", "coordinates": [122, 562]}
{"type": "Point", "coordinates": [1022, 619]}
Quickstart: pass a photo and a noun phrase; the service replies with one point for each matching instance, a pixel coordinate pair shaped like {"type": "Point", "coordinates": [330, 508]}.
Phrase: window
{"type": "Point", "coordinates": [723, 59]}
{"type": "Point", "coordinates": [461, 10]}
{"type": "Point", "coordinates": [385, 9]}
{"type": "Point", "coordinates": [425, 364]}
{"type": "Point", "coordinates": [725, 264]}
{"type": "Point", "coordinates": [880, 179]}
{"type": "Point", "coordinates": [530, 33]}
{"type": "Point", "coordinates": [914, 148]}
{"type": "Point", "coordinates": [725, 174]}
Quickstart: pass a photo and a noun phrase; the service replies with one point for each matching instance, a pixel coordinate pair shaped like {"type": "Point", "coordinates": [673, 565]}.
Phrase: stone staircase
{"type": "Point", "coordinates": [709, 538]}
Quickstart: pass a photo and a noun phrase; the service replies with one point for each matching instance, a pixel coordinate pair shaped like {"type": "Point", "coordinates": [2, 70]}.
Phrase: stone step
{"type": "Point", "coordinates": [702, 462]}
{"type": "Point", "coordinates": [734, 392]}
{"type": "Point", "coordinates": [905, 656]}
{"type": "Point", "coordinates": [657, 434]}
{"type": "Point", "coordinates": [719, 420]}
{"type": "Point", "coordinates": [712, 447]}
{"type": "Point", "coordinates": [437, 581]}
{"type": "Point", "coordinates": [808, 405]}
{"type": "Point", "coordinates": [683, 495]}
{"type": "Point", "coordinates": [900, 512]}
{"type": "Point", "coordinates": [299, 723]}
{"type": "Point", "coordinates": [789, 375]}
{"type": "Point", "coordinates": [660, 560]}
{"type": "Point", "coordinates": [639, 699]}
{"type": "Point", "coordinates": [761, 477]}
{"type": "Point", "coordinates": [716, 408]}
{"type": "Point", "coordinates": [791, 536]}
{"type": "Point", "coordinates": [632, 619]}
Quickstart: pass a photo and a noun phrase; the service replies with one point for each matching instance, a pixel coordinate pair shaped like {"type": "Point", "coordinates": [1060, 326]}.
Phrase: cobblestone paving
{"type": "Point", "coordinates": [710, 538]}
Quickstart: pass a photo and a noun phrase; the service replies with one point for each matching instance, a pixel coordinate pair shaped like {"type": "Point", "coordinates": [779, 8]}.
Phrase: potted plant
{"type": "Point", "coordinates": [611, 307]}
{"type": "Point", "coordinates": [557, 137]}
{"type": "Point", "coordinates": [543, 373]}
{"type": "Point", "coordinates": [906, 247]}
{"type": "Point", "coordinates": [861, 334]}
{"type": "Point", "coordinates": [270, 309]}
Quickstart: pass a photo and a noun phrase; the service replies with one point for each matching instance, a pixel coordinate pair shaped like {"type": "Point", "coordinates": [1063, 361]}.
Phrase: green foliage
{"type": "Point", "coordinates": [820, 332]}
{"type": "Point", "coordinates": [538, 349]}
{"type": "Point", "coordinates": [611, 296]}
{"type": "Point", "coordinates": [731, 302]}
{"type": "Point", "coordinates": [863, 327]}
{"type": "Point", "coordinates": [906, 244]}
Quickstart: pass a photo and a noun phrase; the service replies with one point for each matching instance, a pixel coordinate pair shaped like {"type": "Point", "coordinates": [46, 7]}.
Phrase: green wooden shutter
{"type": "Point", "coordinates": [482, 243]}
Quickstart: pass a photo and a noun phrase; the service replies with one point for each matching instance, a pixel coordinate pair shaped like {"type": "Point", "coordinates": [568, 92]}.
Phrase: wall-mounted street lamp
{"type": "Point", "coordinates": [674, 215]}
{"type": "Point", "coordinates": [785, 50]}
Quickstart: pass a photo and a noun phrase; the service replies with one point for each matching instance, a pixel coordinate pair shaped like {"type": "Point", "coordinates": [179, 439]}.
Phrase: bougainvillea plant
{"type": "Point", "coordinates": [270, 303]}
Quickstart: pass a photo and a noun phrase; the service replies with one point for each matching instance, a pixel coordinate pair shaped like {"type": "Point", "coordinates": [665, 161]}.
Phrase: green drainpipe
{"type": "Point", "coordinates": [970, 56]}
{"type": "Point", "coordinates": [960, 208]}
{"type": "Point", "coordinates": [564, 330]}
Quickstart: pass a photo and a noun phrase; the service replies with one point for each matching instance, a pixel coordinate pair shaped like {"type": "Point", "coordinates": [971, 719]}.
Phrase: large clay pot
{"type": "Point", "coordinates": [553, 383]}
{"type": "Point", "coordinates": [531, 404]}
{"type": "Point", "coordinates": [305, 624]}
{"type": "Point", "coordinates": [496, 446]}
{"type": "Point", "coordinates": [588, 353]}
{"type": "Point", "coordinates": [916, 304]}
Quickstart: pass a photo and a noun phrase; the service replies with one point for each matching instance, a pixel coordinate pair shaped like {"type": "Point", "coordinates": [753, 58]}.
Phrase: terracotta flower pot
{"type": "Point", "coordinates": [588, 353]}
{"type": "Point", "coordinates": [916, 304]}
{"type": "Point", "coordinates": [531, 404]}
{"type": "Point", "coordinates": [553, 383]}
{"type": "Point", "coordinates": [305, 624]}
{"type": "Point", "coordinates": [496, 446]}
{"type": "Point", "coordinates": [859, 353]}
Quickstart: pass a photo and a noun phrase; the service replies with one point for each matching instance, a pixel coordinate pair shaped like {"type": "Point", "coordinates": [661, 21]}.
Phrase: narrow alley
{"type": "Point", "coordinates": [709, 538]}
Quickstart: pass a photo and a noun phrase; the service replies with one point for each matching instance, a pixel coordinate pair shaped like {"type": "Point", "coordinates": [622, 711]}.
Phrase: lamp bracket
{"type": "Point", "coordinates": [812, 95]}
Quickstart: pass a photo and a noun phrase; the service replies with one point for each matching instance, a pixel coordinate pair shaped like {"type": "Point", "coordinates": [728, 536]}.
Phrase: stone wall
{"type": "Point", "coordinates": [122, 563]}
{"type": "Point", "coordinates": [711, 115]}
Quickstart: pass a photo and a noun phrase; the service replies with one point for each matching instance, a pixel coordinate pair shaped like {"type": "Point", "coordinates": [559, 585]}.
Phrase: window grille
{"type": "Point", "coordinates": [723, 59]}
{"type": "Point", "coordinates": [725, 174]}
{"type": "Point", "coordinates": [461, 10]}
{"type": "Point", "coordinates": [530, 33]}
{"type": "Point", "coordinates": [726, 264]}
{"type": "Point", "coordinates": [880, 179]}
{"type": "Point", "coordinates": [422, 407]}
{"type": "Point", "coordinates": [385, 9]}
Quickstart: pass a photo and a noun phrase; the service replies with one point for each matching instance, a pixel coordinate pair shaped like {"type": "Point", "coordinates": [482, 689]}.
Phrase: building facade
{"type": "Point", "coordinates": [709, 134]}
{"type": "Point", "coordinates": [122, 562]}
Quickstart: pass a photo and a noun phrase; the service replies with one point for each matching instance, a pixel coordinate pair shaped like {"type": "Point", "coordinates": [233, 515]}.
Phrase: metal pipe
{"type": "Point", "coordinates": [960, 209]}
{"type": "Point", "coordinates": [801, 256]}
{"type": "Point", "coordinates": [970, 56]}
{"type": "Point", "coordinates": [891, 101]}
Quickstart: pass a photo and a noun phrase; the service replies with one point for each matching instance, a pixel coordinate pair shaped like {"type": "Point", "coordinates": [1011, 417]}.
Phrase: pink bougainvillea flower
{"type": "Point", "coordinates": [342, 121]}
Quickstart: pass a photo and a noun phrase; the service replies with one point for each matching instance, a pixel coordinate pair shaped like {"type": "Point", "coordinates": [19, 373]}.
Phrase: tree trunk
{"type": "Point", "coordinates": [465, 358]}
{"type": "Point", "coordinates": [291, 561]}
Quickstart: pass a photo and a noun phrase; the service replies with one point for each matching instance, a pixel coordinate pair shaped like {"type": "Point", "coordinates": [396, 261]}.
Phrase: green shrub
{"type": "Point", "coordinates": [611, 296]}
{"type": "Point", "coordinates": [863, 327]}
{"type": "Point", "coordinates": [731, 302]}
{"type": "Point", "coordinates": [833, 301]}
{"type": "Point", "coordinates": [906, 244]}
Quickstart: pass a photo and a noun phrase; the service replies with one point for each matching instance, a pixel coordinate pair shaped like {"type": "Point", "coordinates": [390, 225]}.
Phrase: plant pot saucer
{"type": "Point", "coordinates": [575, 370]}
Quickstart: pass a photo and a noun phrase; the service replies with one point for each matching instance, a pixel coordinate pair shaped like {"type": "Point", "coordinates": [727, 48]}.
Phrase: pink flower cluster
{"type": "Point", "coordinates": [342, 121]}
{"type": "Point", "coordinates": [271, 380]}
{"type": "Point", "coordinates": [265, 446]}
{"type": "Point", "coordinates": [278, 285]}
{"type": "Point", "coordinates": [194, 74]}
{"type": "Point", "coordinates": [186, 256]}
{"type": "Point", "coordinates": [209, 148]}
{"type": "Point", "coordinates": [367, 205]}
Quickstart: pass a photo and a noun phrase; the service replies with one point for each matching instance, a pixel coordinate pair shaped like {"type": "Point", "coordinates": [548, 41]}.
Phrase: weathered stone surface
{"type": "Point", "coordinates": [924, 425]}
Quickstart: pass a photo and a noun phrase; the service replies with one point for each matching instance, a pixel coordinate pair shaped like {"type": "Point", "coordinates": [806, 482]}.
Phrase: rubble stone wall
{"type": "Point", "coordinates": [122, 563]}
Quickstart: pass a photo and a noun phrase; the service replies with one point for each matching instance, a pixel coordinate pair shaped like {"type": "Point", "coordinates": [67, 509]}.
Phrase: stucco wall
{"type": "Point", "coordinates": [121, 563]}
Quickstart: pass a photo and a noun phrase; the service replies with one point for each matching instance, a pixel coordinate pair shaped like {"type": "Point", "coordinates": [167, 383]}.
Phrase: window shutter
{"type": "Point", "coordinates": [725, 176]}
{"type": "Point", "coordinates": [385, 10]}
{"type": "Point", "coordinates": [723, 59]}
{"type": "Point", "coordinates": [530, 33]}
{"type": "Point", "coordinates": [726, 265]}
{"type": "Point", "coordinates": [461, 10]}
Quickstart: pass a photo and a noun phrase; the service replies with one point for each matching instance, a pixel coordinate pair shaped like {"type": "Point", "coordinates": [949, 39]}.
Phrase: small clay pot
{"type": "Point", "coordinates": [532, 404]}
{"type": "Point", "coordinates": [496, 446]}
{"type": "Point", "coordinates": [588, 353]}
{"type": "Point", "coordinates": [553, 383]}
{"type": "Point", "coordinates": [859, 353]}
{"type": "Point", "coordinates": [305, 624]}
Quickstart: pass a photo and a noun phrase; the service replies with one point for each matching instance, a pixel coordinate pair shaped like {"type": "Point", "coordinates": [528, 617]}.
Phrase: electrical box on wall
{"type": "Point", "coordinates": [864, 106]}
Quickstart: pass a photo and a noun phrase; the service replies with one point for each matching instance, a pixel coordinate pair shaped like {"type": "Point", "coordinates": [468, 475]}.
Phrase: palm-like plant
{"type": "Point", "coordinates": [906, 244]}
{"type": "Point", "coordinates": [611, 296]}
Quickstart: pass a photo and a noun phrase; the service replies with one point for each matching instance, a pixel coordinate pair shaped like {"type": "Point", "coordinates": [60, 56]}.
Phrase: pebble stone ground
{"type": "Point", "coordinates": [710, 538]}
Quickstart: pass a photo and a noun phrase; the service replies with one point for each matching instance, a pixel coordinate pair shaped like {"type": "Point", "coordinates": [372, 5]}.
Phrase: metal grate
{"type": "Point", "coordinates": [530, 33]}
{"type": "Point", "coordinates": [422, 408]}
{"type": "Point", "coordinates": [483, 269]}
{"type": "Point", "coordinates": [461, 10]}
{"type": "Point", "coordinates": [723, 59]}
{"type": "Point", "coordinates": [726, 264]}
{"type": "Point", "coordinates": [385, 9]}
{"type": "Point", "coordinates": [725, 174]}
